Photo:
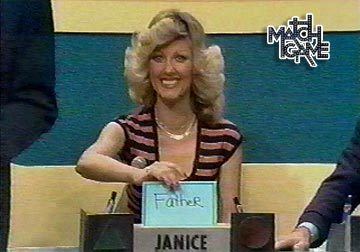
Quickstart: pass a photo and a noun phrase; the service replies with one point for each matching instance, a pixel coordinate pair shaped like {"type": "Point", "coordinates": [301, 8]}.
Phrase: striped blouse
{"type": "Point", "coordinates": [215, 144]}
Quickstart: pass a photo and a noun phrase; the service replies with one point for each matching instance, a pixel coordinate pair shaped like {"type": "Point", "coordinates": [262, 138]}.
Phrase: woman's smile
{"type": "Point", "coordinates": [169, 83]}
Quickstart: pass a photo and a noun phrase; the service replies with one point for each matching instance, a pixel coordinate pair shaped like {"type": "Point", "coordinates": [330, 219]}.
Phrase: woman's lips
{"type": "Point", "coordinates": [169, 83]}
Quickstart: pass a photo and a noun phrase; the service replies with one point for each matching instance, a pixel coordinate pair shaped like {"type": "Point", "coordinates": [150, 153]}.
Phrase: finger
{"type": "Point", "coordinates": [167, 182]}
{"type": "Point", "coordinates": [173, 179]}
{"type": "Point", "coordinates": [174, 187]}
{"type": "Point", "coordinates": [170, 185]}
{"type": "Point", "coordinates": [284, 244]}
{"type": "Point", "coordinates": [301, 246]}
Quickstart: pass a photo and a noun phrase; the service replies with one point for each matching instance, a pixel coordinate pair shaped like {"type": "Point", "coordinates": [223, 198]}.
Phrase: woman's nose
{"type": "Point", "coordinates": [169, 68]}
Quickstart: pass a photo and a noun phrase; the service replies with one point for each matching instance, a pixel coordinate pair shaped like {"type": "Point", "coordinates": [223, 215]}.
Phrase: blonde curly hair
{"type": "Point", "coordinates": [207, 89]}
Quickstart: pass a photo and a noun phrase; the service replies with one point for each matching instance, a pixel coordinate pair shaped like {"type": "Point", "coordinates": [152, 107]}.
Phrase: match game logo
{"type": "Point", "coordinates": [300, 40]}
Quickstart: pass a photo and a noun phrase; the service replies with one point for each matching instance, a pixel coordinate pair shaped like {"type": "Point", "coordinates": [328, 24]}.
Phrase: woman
{"type": "Point", "coordinates": [178, 133]}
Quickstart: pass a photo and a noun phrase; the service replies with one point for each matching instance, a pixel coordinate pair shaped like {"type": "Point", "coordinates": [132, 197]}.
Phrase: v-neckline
{"type": "Point", "coordinates": [197, 143]}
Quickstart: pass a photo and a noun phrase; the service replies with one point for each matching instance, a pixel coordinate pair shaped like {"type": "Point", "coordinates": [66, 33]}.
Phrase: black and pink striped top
{"type": "Point", "coordinates": [214, 146]}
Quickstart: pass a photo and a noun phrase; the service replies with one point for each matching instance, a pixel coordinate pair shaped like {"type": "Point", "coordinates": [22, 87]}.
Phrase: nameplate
{"type": "Point", "coordinates": [210, 239]}
{"type": "Point", "coordinates": [194, 204]}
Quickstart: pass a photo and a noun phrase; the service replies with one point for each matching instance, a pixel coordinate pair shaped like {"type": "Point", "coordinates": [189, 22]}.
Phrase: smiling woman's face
{"type": "Point", "coordinates": [171, 70]}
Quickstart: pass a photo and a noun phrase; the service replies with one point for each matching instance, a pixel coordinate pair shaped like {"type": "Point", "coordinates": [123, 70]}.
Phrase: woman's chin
{"type": "Point", "coordinates": [174, 96]}
{"type": "Point", "coordinates": [170, 97]}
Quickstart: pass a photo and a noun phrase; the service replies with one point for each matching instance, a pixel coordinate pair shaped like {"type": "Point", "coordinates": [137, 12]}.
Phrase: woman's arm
{"type": "Point", "coordinates": [229, 185]}
{"type": "Point", "coordinates": [99, 162]}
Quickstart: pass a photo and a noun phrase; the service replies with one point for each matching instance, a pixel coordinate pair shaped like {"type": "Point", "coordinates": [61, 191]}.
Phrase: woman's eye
{"type": "Point", "coordinates": [158, 58]}
{"type": "Point", "coordinates": [181, 58]}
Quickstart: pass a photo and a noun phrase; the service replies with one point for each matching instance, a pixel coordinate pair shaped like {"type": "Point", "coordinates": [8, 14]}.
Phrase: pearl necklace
{"type": "Point", "coordinates": [177, 137]}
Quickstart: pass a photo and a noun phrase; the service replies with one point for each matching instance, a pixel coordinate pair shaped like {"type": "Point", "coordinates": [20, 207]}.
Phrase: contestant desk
{"type": "Point", "coordinates": [148, 239]}
{"type": "Point", "coordinates": [46, 200]}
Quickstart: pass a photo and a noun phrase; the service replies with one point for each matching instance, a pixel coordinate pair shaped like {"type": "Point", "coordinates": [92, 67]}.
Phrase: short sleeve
{"type": "Point", "coordinates": [121, 120]}
{"type": "Point", "coordinates": [232, 140]}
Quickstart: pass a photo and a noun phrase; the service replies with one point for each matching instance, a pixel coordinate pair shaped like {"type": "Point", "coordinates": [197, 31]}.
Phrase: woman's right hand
{"type": "Point", "coordinates": [167, 172]}
{"type": "Point", "coordinates": [298, 240]}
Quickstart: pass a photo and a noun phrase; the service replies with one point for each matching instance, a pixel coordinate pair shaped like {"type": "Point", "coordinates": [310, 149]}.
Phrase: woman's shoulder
{"type": "Point", "coordinates": [222, 124]}
{"type": "Point", "coordinates": [139, 123]}
{"type": "Point", "coordinates": [140, 116]}
{"type": "Point", "coordinates": [223, 127]}
{"type": "Point", "coordinates": [227, 123]}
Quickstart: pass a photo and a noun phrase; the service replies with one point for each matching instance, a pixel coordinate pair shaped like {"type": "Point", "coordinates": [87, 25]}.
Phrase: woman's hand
{"type": "Point", "coordinates": [167, 172]}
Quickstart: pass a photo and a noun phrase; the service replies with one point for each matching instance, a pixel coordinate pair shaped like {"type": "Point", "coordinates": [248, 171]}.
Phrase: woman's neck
{"type": "Point", "coordinates": [174, 115]}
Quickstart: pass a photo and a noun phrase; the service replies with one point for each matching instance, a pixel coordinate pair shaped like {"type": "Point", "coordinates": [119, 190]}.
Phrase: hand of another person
{"type": "Point", "coordinates": [298, 240]}
{"type": "Point", "coordinates": [167, 172]}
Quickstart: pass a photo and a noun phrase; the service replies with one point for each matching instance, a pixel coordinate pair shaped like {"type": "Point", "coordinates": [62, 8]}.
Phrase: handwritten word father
{"type": "Point", "coordinates": [176, 200]}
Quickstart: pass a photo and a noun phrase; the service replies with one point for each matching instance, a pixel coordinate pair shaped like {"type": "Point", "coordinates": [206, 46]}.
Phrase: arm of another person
{"type": "Point", "coordinates": [99, 162]}
{"type": "Point", "coordinates": [229, 183]}
{"type": "Point", "coordinates": [327, 205]}
{"type": "Point", "coordinates": [28, 106]}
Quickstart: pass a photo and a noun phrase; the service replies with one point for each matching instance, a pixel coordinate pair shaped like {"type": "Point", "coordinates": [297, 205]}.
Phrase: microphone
{"type": "Point", "coordinates": [139, 162]}
{"type": "Point", "coordinates": [111, 203]}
